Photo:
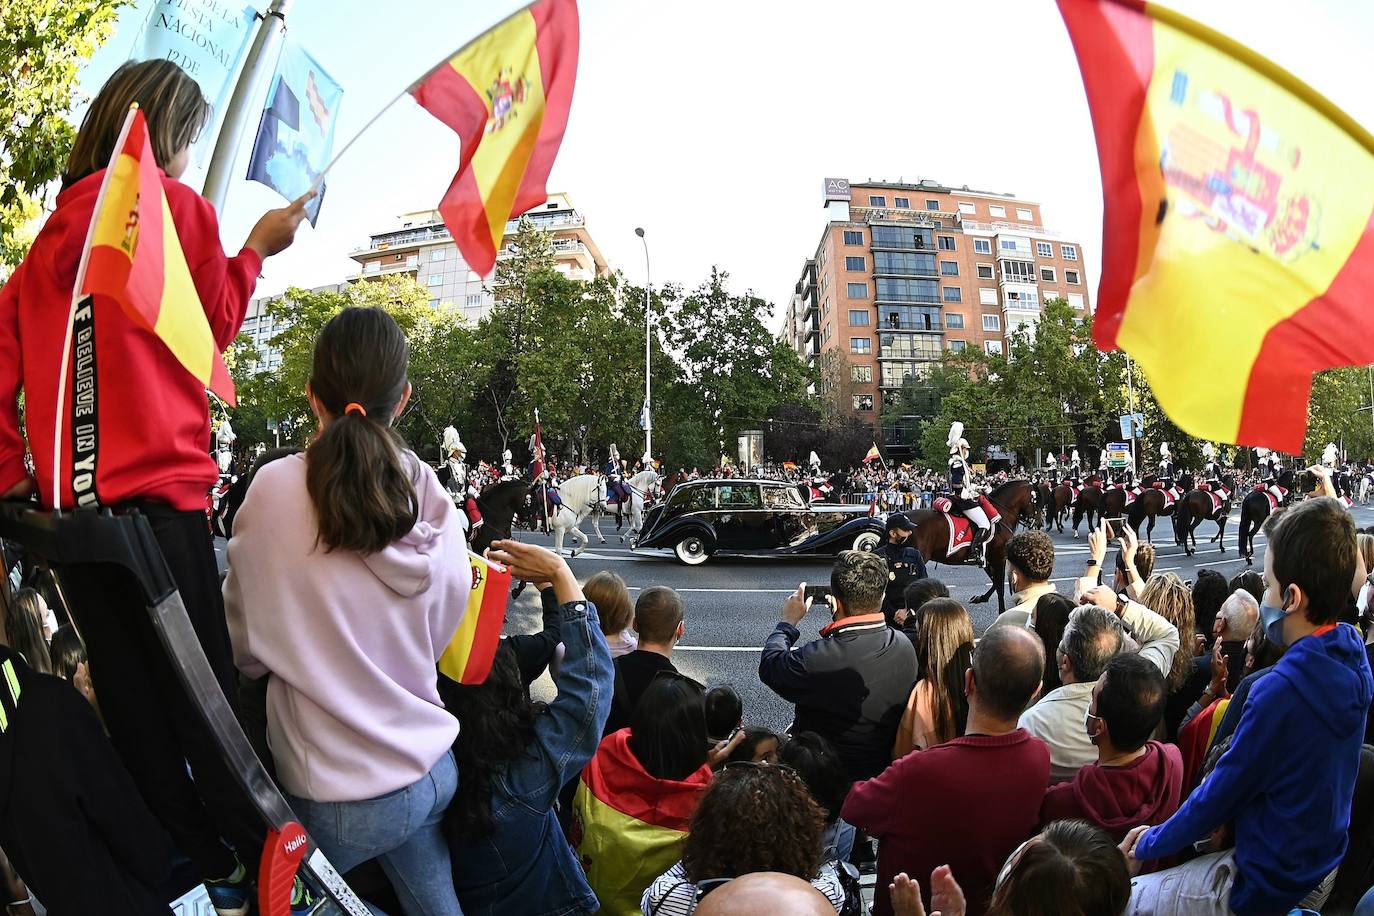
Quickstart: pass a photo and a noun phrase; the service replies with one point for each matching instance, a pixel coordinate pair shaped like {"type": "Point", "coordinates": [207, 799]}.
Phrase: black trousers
{"type": "Point", "coordinates": [155, 727]}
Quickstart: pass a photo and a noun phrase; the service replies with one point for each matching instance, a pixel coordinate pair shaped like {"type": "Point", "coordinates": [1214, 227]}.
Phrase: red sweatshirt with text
{"type": "Point", "coordinates": [135, 423]}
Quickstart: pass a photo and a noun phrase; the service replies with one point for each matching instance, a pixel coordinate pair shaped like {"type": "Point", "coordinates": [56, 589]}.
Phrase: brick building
{"type": "Point", "coordinates": [903, 272]}
{"type": "Point", "coordinates": [423, 248]}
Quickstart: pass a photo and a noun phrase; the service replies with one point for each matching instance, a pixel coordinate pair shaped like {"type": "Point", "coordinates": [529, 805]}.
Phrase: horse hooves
{"type": "Point", "coordinates": [601, 540]}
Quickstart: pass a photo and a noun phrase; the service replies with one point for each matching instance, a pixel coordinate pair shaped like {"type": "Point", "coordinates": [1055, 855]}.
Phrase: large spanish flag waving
{"type": "Point", "coordinates": [133, 255]}
{"type": "Point", "coordinates": [472, 649]}
{"type": "Point", "coordinates": [507, 96]}
{"type": "Point", "coordinates": [1237, 246]}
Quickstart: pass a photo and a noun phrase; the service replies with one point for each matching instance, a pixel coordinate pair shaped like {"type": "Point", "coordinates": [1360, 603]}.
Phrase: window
{"type": "Point", "coordinates": [1018, 271]}
{"type": "Point", "coordinates": [434, 303]}
{"type": "Point", "coordinates": [954, 294]}
{"type": "Point", "coordinates": [957, 346]}
{"type": "Point", "coordinates": [982, 246]}
{"type": "Point", "coordinates": [906, 263]}
{"type": "Point", "coordinates": [891, 289]}
{"type": "Point", "coordinates": [1076, 300]}
{"type": "Point", "coordinates": [1044, 249]}
{"type": "Point", "coordinates": [863, 402]}
{"type": "Point", "coordinates": [947, 243]}
{"type": "Point", "coordinates": [703, 497]}
{"type": "Point", "coordinates": [1007, 244]}
{"type": "Point", "coordinates": [861, 345]}
{"type": "Point", "coordinates": [896, 374]}
{"type": "Point", "coordinates": [372, 267]}
{"type": "Point", "coordinates": [776, 497]}
{"type": "Point", "coordinates": [1068, 252]}
{"type": "Point", "coordinates": [861, 373]}
{"type": "Point", "coordinates": [412, 260]}
{"type": "Point", "coordinates": [905, 237]}
{"type": "Point", "coordinates": [993, 347]}
{"type": "Point", "coordinates": [875, 201]}
{"type": "Point", "coordinates": [473, 300]}
{"type": "Point", "coordinates": [858, 318]}
{"type": "Point", "coordinates": [987, 296]}
{"type": "Point", "coordinates": [954, 320]}
{"type": "Point", "coordinates": [932, 204]}
{"type": "Point", "coordinates": [1047, 274]}
{"type": "Point", "coordinates": [738, 496]}
{"type": "Point", "coordinates": [435, 280]}
{"type": "Point", "coordinates": [968, 208]}
{"type": "Point", "coordinates": [994, 210]}
{"type": "Point", "coordinates": [438, 254]}
{"type": "Point", "coordinates": [854, 263]}
{"type": "Point", "coordinates": [853, 237]}
{"type": "Point", "coordinates": [1023, 214]}
{"type": "Point", "coordinates": [909, 318]}
{"type": "Point", "coordinates": [949, 268]}
{"type": "Point", "coordinates": [984, 271]}
{"type": "Point", "coordinates": [902, 203]}
{"type": "Point", "coordinates": [857, 290]}
{"type": "Point", "coordinates": [1071, 277]}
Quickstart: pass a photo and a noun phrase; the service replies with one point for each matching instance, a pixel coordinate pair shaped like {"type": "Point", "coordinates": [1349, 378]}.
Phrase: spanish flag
{"type": "Point", "coordinates": [628, 826]}
{"type": "Point", "coordinates": [506, 94]}
{"type": "Point", "coordinates": [133, 255]}
{"type": "Point", "coordinates": [1237, 243]}
{"type": "Point", "coordinates": [472, 649]}
{"type": "Point", "coordinates": [873, 454]}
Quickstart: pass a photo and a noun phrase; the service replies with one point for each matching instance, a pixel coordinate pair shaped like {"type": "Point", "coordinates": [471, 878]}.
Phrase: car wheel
{"type": "Point", "coordinates": [692, 550]}
{"type": "Point", "coordinates": [868, 541]}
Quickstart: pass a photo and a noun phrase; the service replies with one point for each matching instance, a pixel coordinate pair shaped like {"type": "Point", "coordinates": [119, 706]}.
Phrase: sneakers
{"type": "Point", "coordinates": [231, 896]}
{"type": "Point", "coordinates": [302, 901]}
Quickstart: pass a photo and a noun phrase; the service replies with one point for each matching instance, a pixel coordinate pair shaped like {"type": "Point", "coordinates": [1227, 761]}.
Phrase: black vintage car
{"type": "Point", "coordinates": [756, 518]}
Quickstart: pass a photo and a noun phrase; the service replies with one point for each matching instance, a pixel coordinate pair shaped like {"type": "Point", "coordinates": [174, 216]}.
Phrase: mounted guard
{"type": "Point", "coordinates": [224, 443]}
{"type": "Point", "coordinates": [960, 487]}
{"type": "Point", "coordinates": [615, 484]}
{"type": "Point", "coordinates": [1075, 470]}
{"type": "Point", "coordinates": [1211, 469]}
{"type": "Point", "coordinates": [1166, 466]}
{"type": "Point", "coordinates": [1052, 472]}
{"type": "Point", "coordinates": [1269, 474]}
{"type": "Point", "coordinates": [460, 484]}
{"type": "Point", "coordinates": [819, 485]}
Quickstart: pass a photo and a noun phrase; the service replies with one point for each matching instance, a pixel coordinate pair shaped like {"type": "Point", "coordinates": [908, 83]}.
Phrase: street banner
{"type": "Point", "coordinates": [206, 38]}
{"type": "Point", "coordinates": [507, 96]}
{"type": "Point", "coordinates": [1238, 248]}
{"type": "Point", "coordinates": [296, 134]}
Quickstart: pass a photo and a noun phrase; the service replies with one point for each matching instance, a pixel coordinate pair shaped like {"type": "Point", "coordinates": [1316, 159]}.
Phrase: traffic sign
{"type": "Point", "coordinates": [1126, 425]}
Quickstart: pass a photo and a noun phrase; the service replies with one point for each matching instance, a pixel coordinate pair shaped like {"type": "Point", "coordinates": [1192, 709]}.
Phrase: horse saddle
{"type": "Point", "coordinates": [961, 528]}
{"type": "Point", "coordinates": [1220, 496]}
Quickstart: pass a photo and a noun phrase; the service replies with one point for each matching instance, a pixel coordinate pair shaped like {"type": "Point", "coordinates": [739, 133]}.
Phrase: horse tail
{"type": "Point", "coordinates": [1246, 544]}
{"type": "Point", "coordinates": [1183, 517]}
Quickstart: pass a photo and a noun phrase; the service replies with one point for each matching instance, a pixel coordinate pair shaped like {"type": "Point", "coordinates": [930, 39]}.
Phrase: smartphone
{"type": "Point", "coordinates": [1118, 524]}
{"type": "Point", "coordinates": [816, 594]}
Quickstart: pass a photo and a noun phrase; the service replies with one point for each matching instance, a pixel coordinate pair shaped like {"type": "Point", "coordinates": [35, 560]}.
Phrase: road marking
{"type": "Point", "coordinates": [681, 648]}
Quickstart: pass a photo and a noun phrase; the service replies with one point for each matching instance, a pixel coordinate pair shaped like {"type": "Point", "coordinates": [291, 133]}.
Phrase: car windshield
{"type": "Point", "coordinates": [738, 496]}
{"type": "Point", "coordinates": [782, 498]}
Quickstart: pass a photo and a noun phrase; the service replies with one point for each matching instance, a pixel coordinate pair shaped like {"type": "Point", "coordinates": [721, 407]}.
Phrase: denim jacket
{"type": "Point", "coordinates": [526, 867]}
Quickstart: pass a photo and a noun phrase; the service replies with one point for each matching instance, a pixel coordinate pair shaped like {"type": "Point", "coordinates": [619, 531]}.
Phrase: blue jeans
{"type": "Point", "coordinates": [402, 829]}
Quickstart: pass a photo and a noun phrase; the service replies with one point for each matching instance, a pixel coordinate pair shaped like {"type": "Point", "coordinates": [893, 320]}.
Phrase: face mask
{"type": "Point", "coordinates": [1088, 726]}
{"type": "Point", "coordinates": [1272, 618]}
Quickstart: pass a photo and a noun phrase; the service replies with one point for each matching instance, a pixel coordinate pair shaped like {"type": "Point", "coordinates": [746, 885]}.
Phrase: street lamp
{"type": "Point", "coordinates": [648, 420]}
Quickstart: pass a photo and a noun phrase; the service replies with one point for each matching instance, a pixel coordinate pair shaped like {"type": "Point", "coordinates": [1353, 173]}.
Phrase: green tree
{"type": "Point", "coordinates": [1338, 412]}
{"type": "Point", "coordinates": [43, 44]}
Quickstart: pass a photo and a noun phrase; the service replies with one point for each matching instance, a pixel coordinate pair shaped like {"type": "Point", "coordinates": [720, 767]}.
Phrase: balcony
{"type": "Point", "coordinates": [971, 225]}
{"type": "Point", "coordinates": [812, 333]}
{"type": "Point", "coordinates": [810, 309]}
{"type": "Point", "coordinates": [926, 327]}
{"type": "Point", "coordinates": [911, 299]}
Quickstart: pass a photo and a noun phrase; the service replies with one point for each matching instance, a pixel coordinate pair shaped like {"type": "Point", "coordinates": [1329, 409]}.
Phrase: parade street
{"type": "Point", "coordinates": [733, 603]}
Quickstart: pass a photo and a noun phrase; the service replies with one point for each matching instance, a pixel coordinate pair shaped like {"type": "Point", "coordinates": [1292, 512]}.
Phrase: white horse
{"type": "Point", "coordinates": [585, 495]}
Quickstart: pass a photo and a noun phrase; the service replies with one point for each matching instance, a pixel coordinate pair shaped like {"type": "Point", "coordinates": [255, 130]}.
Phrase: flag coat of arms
{"type": "Point", "coordinates": [507, 96]}
{"type": "Point", "coordinates": [1237, 243]}
{"type": "Point", "coordinates": [472, 649]}
{"type": "Point", "coordinates": [134, 256]}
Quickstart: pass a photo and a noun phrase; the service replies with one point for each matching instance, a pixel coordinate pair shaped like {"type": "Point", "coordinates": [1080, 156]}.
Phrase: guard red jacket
{"type": "Point", "coordinates": [135, 424]}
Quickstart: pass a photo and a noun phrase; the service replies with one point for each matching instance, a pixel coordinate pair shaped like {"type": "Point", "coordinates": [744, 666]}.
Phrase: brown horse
{"type": "Point", "coordinates": [498, 504]}
{"type": "Point", "coordinates": [1059, 505]}
{"type": "Point", "coordinates": [1087, 505]}
{"type": "Point", "coordinates": [1196, 508]}
{"type": "Point", "coordinates": [1013, 500]}
{"type": "Point", "coordinates": [1151, 504]}
{"type": "Point", "coordinates": [1254, 509]}
{"type": "Point", "coordinates": [1044, 505]}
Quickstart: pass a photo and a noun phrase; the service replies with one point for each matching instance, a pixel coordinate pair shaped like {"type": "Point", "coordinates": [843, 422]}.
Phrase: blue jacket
{"type": "Point", "coordinates": [526, 867]}
{"type": "Point", "coordinates": [1289, 777]}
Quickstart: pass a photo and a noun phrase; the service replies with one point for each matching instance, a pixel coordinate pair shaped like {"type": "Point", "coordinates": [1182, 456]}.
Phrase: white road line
{"type": "Point", "coordinates": [681, 648]}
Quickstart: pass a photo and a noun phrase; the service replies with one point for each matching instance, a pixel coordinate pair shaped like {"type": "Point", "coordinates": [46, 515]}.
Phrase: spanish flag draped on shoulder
{"type": "Point", "coordinates": [507, 96]}
{"type": "Point", "coordinates": [628, 826]}
{"type": "Point", "coordinates": [134, 256]}
{"type": "Point", "coordinates": [1237, 242]}
{"type": "Point", "coordinates": [472, 649]}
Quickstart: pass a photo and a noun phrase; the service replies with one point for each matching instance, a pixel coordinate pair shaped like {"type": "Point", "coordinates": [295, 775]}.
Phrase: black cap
{"type": "Point", "coordinates": [898, 521]}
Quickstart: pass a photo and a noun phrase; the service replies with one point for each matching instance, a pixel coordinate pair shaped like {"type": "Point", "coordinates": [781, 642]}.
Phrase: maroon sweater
{"type": "Point", "coordinates": [967, 804]}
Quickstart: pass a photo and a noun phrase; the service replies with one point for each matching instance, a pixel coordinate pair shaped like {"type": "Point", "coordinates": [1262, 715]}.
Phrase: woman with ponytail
{"type": "Point", "coordinates": [348, 576]}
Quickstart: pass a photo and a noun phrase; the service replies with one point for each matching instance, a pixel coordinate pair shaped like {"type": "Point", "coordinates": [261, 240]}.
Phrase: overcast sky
{"type": "Point", "coordinates": [713, 123]}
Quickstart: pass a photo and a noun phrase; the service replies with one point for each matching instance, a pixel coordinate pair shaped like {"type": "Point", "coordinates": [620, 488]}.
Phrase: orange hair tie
{"type": "Point", "coordinates": [355, 407]}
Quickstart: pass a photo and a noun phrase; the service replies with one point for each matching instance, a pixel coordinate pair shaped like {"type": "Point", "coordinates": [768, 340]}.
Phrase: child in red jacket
{"type": "Point", "coordinates": [150, 452]}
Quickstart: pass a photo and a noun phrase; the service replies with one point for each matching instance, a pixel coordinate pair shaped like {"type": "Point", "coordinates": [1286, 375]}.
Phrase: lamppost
{"type": "Point", "coordinates": [647, 419]}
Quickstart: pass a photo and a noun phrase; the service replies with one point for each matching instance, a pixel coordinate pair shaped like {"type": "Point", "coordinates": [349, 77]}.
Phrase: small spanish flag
{"type": "Point", "coordinates": [133, 255]}
{"type": "Point", "coordinates": [506, 94]}
{"type": "Point", "coordinates": [472, 649]}
{"type": "Point", "coordinates": [873, 454]}
{"type": "Point", "coordinates": [1238, 239]}
{"type": "Point", "coordinates": [789, 465]}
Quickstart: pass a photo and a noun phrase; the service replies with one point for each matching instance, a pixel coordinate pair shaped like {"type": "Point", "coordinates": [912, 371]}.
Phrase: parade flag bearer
{"type": "Point", "coordinates": [960, 486]}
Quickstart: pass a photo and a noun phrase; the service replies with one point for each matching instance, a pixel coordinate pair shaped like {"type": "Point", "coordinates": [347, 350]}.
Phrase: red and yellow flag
{"type": "Point", "coordinates": [472, 649]}
{"type": "Point", "coordinates": [507, 96]}
{"type": "Point", "coordinates": [873, 454]}
{"type": "Point", "coordinates": [1237, 242]}
{"type": "Point", "coordinates": [133, 255]}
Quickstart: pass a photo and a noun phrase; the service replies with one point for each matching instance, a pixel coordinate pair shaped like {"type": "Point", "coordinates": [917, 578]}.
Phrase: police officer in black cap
{"type": "Point", "coordinates": [904, 563]}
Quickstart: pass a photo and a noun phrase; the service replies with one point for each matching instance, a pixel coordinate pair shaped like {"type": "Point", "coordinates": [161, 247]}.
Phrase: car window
{"type": "Point", "coordinates": [692, 498]}
{"type": "Point", "coordinates": [782, 498]}
{"type": "Point", "coordinates": [737, 496]}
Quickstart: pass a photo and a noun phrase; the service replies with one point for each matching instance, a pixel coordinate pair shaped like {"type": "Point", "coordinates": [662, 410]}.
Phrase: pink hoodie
{"type": "Point", "coordinates": [351, 641]}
